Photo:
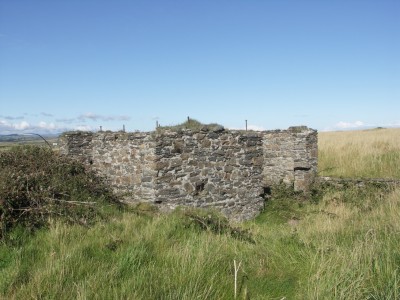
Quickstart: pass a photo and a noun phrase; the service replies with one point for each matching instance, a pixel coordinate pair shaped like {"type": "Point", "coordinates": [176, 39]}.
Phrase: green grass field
{"type": "Point", "coordinates": [365, 153]}
{"type": "Point", "coordinates": [7, 145]}
{"type": "Point", "coordinates": [344, 245]}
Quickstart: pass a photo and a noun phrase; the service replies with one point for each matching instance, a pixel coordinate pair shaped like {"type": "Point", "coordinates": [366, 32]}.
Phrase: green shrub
{"type": "Point", "coordinates": [37, 183]}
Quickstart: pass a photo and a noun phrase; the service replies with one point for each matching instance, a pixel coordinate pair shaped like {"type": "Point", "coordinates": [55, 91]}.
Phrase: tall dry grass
{"type": "Point", "coordinates": [355, 248]}
{"type": "Point", "coordinates": [364, 153]}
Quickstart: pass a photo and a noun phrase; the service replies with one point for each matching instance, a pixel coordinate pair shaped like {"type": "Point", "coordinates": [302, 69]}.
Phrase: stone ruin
{"type": "Point", "coordinates": [210, 167]}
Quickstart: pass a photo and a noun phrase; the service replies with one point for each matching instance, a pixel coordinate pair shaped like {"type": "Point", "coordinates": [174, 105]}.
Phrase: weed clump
{"type": "Point", "coordinates": [191, 124]}
{"type": "Point", "coordinates": [37, 184]}
{"type": "Point", "coordinates": [213, 221]}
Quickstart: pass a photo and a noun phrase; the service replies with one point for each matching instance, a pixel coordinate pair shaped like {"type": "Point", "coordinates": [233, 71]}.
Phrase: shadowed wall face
{"type": "Point", "coordinates": [228, 170]}
{"type": "Point", "coordinates": [291, 157]}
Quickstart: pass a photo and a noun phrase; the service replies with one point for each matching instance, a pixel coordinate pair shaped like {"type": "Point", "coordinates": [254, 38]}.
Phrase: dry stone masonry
{"type": "Point", "coordinates": [228, 170]}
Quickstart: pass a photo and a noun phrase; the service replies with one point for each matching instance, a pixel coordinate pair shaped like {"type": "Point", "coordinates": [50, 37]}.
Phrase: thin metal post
{"type": "Point", "coordinates": [188, 119]}
{"type": "Point", "coordinates": [101, 128]}
{"type": "Point", "coordinates": [123, 127]}
{"type": "Point", "coordinates": [246, 125]}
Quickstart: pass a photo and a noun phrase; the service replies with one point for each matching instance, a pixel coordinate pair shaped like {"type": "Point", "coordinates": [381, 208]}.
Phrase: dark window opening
{"type": "Point", "coordinates": [266, 191]}
{"type": "Point", "coordinates": [200, 187]}
{"type": "Point", "coordinates": [302, 169]}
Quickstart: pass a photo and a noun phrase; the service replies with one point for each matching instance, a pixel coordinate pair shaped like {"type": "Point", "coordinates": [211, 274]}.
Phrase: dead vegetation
{"type": "Point", "coordinates": [36, 184]}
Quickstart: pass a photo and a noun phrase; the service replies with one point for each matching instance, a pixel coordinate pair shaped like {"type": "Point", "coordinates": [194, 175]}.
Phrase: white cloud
{"type": "Point", "coordinates": [83, 128]}
{"type": "Point", "coordinates": [392, 124]}
{"type": "Point", "coordinates": [249, 127]}
{"type": "Point", "coordinates": [46, 114]}
{"type": "Point", "coordinates": [49, 126]}
{"type": "Point", "coordinates": [4, 125]}
{"type": "Point", "coordinates": [22, 125]}
{"type": "Point", "coordinates": [96, 117]}
{"type": "Point", "coordinates": [360, 125]}
{"type": "Point", "coordinates": [8, 127]}
{"type": "Point", "coordinates": [11, 118]}
{"type": "Point", "coordinates": [255, 128]}
{"type": "Point", "coordinates": [66, 120]}
{"type": "Point", "coordinates": [350, 125]}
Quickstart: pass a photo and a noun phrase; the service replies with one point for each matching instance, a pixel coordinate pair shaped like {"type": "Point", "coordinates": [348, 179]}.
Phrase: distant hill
{"type": "Point", "coordinates": [25, 137]}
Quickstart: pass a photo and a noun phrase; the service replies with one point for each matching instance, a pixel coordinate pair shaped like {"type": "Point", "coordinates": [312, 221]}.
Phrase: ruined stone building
{"type": "Point", "coordinates": [210, 167]}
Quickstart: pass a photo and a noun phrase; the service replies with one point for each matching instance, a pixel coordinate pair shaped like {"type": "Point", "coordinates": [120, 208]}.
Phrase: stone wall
{"type": "Point", "coordinates": [126, 160]}
{"type": "Point", "coordinates": [228, 170]}
{"type": "Point", "coordinates": [291, 157]}
{"type": "Point", "coordinates": [77, 145]}
{"type": "Point", "coordinates": [221, 168]}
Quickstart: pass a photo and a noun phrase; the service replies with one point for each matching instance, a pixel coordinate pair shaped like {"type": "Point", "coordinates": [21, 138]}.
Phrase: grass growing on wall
{"type": "Point", "coordinates": [191, 124]}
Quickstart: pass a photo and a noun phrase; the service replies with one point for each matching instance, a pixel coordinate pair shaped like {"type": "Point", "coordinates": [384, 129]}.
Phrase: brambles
{"type": "Point", "coordinates": [36, 184]}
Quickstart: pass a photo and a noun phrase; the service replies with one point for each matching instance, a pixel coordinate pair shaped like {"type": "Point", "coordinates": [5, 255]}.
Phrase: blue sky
{"type": "Point", "coordinates": [330, 65]}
